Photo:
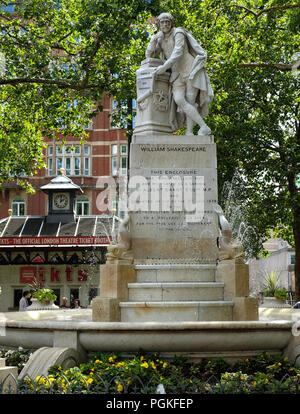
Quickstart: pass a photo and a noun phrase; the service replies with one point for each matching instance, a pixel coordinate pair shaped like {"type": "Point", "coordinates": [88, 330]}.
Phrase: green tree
{"type": "Point", "coordinates": [57, 58]}
{"type": "Point", "coordinates": [252, 48]}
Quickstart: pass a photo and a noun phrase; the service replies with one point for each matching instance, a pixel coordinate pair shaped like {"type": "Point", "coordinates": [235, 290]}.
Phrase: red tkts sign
{"type": "Point", "coordinates": [28, 274]}
{"type": "Point", "coordinates": [54, 241]}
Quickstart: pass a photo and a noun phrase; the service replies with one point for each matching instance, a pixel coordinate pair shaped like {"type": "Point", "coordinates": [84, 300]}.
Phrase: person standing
{"type": "Point", "coordinates": [23, 304]}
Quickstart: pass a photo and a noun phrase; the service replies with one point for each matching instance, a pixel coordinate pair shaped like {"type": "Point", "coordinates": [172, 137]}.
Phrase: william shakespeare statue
{"type": "Point", "coordinates": [191, 88]}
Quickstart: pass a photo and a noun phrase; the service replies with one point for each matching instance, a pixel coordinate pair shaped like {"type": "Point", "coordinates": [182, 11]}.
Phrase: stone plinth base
{"type": "Point", "coordinates": [114, 281]}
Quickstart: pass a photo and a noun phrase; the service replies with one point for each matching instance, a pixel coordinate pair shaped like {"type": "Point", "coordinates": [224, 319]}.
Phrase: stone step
{"type": "Point", "coordinates": [180, 291]}
{"type": "Point", "coordinates": [178, 311]}
{"type": "Point", "coordinates": [2, 362]}
{"type": "Point", "coordinates": [158, 273]}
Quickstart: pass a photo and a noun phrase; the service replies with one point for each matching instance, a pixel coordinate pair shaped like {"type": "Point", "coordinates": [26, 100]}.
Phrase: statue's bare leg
{"type": "Point", "coordinates": [190, 111]}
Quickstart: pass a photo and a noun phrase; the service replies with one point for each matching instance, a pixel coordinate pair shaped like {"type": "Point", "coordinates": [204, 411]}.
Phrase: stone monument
{"type": "Point", "coordinates": [175, 222]}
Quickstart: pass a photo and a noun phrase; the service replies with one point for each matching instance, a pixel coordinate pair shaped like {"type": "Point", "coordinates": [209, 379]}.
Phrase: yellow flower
{"type": "Point", "coordinates": [285, 358]}
{"type": "Point", "coordinates": [120, 386]}
{"type": "Point", "coordinates": [145, 365]}
{"type": "Point", "coordinates": [90, 380]}
{"type": "Point", "coordinates": [98, 361]}
{"type": "Point", "coordinates": [120, 364]}
{"type": "Point", "coordinates": [164, 365]}
{"type": "Point", "coordinates": [246, 360]}
{"type": "Point", "coordinates": [142, 358]}
{"type": "Point", "coordinates": [110, 359]}
{"type": "Point", "coordinates": [153, 365]}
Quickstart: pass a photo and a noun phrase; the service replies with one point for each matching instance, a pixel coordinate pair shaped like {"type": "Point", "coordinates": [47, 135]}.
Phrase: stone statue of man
{"type": "Point", "coordinates": [191, 88]}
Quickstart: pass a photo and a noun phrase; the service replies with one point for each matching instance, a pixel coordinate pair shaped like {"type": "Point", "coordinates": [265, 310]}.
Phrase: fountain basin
{"type": "Point", "coordinates": [228, 339]}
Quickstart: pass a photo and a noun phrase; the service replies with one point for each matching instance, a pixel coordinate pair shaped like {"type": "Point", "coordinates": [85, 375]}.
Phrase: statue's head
{"type": "Point", "coordinates": [165, 22]}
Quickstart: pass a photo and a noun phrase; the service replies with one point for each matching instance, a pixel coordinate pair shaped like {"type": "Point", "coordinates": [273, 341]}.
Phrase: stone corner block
{"type": "Point", "coordinates": [106, 310]}
{"type": "Point", "coordinates": [245, 309]}
{"type": "Point", "coordinates": [235, 275]}
{"type": "Point", "coordinates": [114, 279]}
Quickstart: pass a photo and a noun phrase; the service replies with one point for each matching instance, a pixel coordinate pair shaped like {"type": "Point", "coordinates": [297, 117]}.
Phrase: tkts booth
{"type": "Point", "coordinates": [61, 250]}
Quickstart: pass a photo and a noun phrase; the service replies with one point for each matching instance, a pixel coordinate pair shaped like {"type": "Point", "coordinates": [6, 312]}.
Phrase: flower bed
{"type": "Point", "coordinates": [110, 373]}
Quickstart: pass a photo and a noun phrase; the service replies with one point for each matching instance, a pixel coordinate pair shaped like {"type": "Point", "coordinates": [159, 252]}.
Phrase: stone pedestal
{"type": "Point", "coordinates": [164, 227]}
{"type": "Point", "coordinates": [114, 279]}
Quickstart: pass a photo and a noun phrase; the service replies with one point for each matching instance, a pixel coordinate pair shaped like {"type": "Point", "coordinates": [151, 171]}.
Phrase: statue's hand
{"type": "Point", "coordinates": [159, 70]}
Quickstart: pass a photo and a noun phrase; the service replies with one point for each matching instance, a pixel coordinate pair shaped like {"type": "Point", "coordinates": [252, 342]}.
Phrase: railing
{"type": "Point", "coordinates": [113, 385]}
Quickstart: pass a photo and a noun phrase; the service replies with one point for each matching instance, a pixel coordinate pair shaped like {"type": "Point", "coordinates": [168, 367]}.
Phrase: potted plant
{"type": "Point", "coordinates": [274, 295]}
{"type": "Point", "coordinates": [42, 298]}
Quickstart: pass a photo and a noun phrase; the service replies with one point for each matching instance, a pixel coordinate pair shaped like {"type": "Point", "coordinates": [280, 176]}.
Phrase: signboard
{"type": "Point", "coordinates": [54, 241]}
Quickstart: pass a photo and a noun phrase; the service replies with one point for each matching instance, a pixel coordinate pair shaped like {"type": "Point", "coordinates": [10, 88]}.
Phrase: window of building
{"type": "Point", "coordinates": [114, 166]}
{"type": "Point", "coordinates": [123, 159]}
{"type": "Point", "coordinates": [18, 206]}
{"type": "Point", "coordinates": [119, 160]}
{"type": "Point", "coordinates": [87, 150]}
{"type": "Point", "coordinates": [292, 258]}
{"type": "Point", "coordinates": [74, 159]}
{"type": "Point", "coordinates": [114, 149]}
{"type": "Point", "coordinates": [119, 113]}
{"type": "Point", "coordinates": [82, 204]}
